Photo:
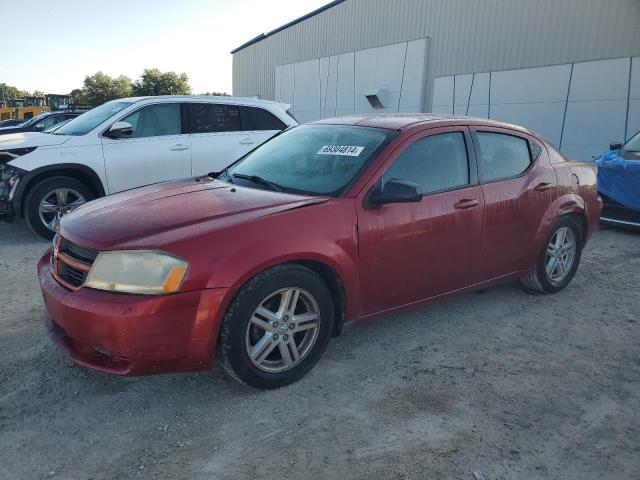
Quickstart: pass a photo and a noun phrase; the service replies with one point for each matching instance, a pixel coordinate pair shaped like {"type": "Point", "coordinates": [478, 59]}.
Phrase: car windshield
{"type": "Point", "coordinates": [633, 145]}
{"type": "Point", "coordinates": [56, 126]}
{"type": "Point", "coordinates": [34, 120]}
{"type": "Point", "coordinates": [91, 119]}
{"type": "Point", "coordinates": [310, 159]}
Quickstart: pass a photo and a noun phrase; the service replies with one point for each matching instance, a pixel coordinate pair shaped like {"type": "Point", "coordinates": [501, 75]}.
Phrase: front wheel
{"type": "Point", "coordinates": [50, 199]}
{"type": "Point", "coordinates": [277, 327]}
{"type": "Point", "coordinates": [559, 259]}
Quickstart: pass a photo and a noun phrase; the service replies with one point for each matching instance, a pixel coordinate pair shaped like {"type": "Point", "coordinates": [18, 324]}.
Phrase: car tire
{"type": "Point", "coordinates": [77, 193]}
{"type": "Point", "coordinates": [546, 276]}
{"type": "Point", "coordinates": [266, 318]}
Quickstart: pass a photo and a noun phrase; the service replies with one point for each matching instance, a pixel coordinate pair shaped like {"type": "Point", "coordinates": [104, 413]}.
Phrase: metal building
{"type": "Point", "coordinates": [568, 69]}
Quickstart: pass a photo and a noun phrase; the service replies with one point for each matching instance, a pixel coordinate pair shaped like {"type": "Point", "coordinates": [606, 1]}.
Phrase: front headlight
{"type": "Point", "coordinates": [142, 272]}
{"type": "Point", "coordinates": [12, 154]}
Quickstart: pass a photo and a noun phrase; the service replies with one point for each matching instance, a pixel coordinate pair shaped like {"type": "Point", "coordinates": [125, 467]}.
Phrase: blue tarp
{"type": "Point", "coordinates": [619, 179]}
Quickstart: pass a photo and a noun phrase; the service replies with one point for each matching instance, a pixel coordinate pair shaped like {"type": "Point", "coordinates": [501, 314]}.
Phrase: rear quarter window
{"type": "Point", "coordinates": [255, 118]}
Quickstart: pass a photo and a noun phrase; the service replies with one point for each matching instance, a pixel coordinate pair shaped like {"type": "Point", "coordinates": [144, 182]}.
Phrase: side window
{"type": "Point", "coordinates": [52, 120]}
{"type": "Point", "coordinates": [438, 162]}
{"type": "Point", "coordinates": [155, 120]}
{"type": "Point", "coordinates": [254, 118]}
{"type": "Point", "coordinates": [211, 117]}
{"type": "Point", "coordinates": [502, 155]}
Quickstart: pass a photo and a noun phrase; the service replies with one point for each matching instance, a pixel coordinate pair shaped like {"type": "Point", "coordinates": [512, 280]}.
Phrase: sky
{"type": "Point", "coordinates": [52, 46]}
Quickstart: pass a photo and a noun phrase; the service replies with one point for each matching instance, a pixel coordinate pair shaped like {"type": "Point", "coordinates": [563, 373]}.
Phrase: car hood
{"type": "Point", "coordinates": [30, 139]}
{"type": "Point", "coordinates": [153, 216]}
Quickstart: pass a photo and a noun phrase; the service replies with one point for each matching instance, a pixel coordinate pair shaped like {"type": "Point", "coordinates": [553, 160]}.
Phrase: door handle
{"type": "Point", "coordinates": [466, 204]}
{"type": "Point", "coordinates": [543, 187]}
{"type": "Point", "coordinates": [246, 141]}
{"type": "Point", "coordinates": [178, 147]}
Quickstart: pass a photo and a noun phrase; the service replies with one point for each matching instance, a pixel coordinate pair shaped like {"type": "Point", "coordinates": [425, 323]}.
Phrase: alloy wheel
{"type": "Point", "coordinates": [561, 253]}
{"type": "Point", "coordinates": [57, 203]}
{"type": "Point", "coordinates": [282, 330]}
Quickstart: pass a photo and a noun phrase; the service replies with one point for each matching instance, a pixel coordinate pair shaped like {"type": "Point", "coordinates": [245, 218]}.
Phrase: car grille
{"type": "Point", "coordinates": [72, 264]}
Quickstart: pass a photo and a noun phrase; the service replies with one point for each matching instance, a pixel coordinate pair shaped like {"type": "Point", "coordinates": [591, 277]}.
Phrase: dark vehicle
{"type": "Point", "coordinates": [619, 183]}
{"type": "Point", "coordinates": [40, 123]}
{"type": "Point", "coordinates": [10, 123]}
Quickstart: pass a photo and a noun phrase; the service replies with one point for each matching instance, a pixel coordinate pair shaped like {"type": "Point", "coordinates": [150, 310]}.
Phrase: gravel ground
{"type": "Point", "coordinates": [514, 385]}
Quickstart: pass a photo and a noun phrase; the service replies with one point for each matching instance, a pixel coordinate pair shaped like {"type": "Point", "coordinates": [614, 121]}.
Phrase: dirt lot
{"type": "Point", "coordinates": [514, 385]}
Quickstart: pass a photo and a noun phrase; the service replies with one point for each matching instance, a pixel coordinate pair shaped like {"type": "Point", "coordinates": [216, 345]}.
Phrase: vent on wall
{"type": "Point", "coordinates": [378, 98]}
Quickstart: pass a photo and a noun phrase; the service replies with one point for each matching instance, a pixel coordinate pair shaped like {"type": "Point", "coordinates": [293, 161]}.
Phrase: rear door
{"type": "Point", "coordinates": [217, 136]}
{"type": "Point", "coordinates": [519, 185]}
{"type": "Point", "coordinates": [414, 251]}
{"type": "Point", "coordinates": [157, 150]}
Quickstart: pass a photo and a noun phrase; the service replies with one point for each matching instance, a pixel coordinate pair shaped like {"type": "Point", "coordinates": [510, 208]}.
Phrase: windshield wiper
{"type": "Point", "coordinates": [259, 181]}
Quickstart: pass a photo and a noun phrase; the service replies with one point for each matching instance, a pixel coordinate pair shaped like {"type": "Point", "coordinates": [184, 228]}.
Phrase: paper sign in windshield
{"type": "Point", "coordinates": [345, 150]}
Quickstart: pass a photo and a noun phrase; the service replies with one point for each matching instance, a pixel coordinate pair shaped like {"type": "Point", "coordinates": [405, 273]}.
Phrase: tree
{"type": "Point", "coordinates": [38, 93]}
{"type": "Point", "coordinates": [154, 82]}
{"type": "Point", "coordinates": [79, 97]}
{"type": "Point", "coordinates": [9, 92]}
{"type": "Point", "coordinates": [100, 88]}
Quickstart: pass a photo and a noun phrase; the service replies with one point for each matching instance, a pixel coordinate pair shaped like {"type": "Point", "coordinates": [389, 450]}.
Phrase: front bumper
{"type": "Point", "coordinates": [132, 334]}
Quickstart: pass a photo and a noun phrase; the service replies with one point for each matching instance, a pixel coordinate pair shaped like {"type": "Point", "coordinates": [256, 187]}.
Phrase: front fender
{"type": "Point", "coordinates": [322, 233]}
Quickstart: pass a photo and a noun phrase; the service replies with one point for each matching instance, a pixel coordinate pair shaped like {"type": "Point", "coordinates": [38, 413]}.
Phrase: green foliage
{"type": "Point", "coordinates": [9, 92]}
{"type": "Point", "coordinates": [100, 88]}
{"type": "Point", "coordinates": [154, 82]}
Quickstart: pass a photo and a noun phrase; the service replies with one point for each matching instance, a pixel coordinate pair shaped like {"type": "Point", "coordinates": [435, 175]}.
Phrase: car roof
{"type": "Point", "coordinates": [406, 121]}
{"type": "Point", "coordinates": [206, 98]}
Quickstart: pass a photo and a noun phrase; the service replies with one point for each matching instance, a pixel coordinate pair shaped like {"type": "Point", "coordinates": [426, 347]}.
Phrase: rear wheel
{"type": "Point", "coordinates": [277, 327]}
{"type": "Point", "coordinates": [49, 200]}
{"type": "Point", "coordinates": [559, 259]}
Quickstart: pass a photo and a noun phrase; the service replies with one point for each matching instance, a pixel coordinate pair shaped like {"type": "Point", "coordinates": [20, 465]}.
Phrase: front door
{"type": "Point", "coordinates": [157, 149]}
{"type": "Point", "coordinates": [414, 251]}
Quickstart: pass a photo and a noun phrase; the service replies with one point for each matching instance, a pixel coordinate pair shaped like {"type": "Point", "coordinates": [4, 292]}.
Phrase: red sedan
{"type": "Point", "coordinates": [337, 220]}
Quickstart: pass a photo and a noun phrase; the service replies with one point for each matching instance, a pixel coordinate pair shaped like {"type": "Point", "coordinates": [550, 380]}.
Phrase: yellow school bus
{"type": "Point", "coordinates": [21, 113]}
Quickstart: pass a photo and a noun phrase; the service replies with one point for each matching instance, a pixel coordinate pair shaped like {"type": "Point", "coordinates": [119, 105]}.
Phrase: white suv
{"type": "Point", "coordinates": [128, 143]}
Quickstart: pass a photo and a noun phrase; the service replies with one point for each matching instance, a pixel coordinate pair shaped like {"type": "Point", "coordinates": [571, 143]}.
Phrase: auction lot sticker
{"type": "Point", "coordinates": [346, 150]}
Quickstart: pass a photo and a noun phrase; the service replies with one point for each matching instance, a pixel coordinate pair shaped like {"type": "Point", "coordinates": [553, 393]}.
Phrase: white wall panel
{"type": "Point", "coordinates": [593, 125]}
{"type": "Point", "coordinates": [442, 95]}
{"type": "Point", "coordinates": [285, 84]}
{"type": "Point", "coordinates": [479, 101]}
{"type": "Point", "coordinates": [328, 84]}
{"type": "Point", "coordinates": [601, 80]}
{"type": "Point", "coordinates": [306, 93]}
{"type": "Point", "coordinates": [345, 84]}
{"type": "Point", "coordinates": [633, 119]}
{"type": "Point", "coordinates": [413, 80]}
{"type": "Point", "coordinates": [542, 118]}
{"type": "Point", "coordinates": [536, 98]}
{"type": "Point", "coordinates": [338, 85]}
{"type": "Point", "coordinates": [379, 68]}
{"type": "Point", "coordinates": [597, 107]}
{"type": "Point", "coordinates": [462, 93]}
{"type": "Point", "coordinates": [530, 85]}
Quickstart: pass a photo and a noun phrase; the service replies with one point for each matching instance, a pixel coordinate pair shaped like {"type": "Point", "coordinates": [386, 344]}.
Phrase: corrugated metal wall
{"type": "Point", "coordinates": [466, 35]}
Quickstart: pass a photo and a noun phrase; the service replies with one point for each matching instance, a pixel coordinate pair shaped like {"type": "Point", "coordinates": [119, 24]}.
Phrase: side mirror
{"type": "Point", "coordinates": [393, 191]}
{"type": "Point", "coordinates": [615, 146]}
{"type": "Point", "coordinates": [39, 127]}
{"type": "Point", "coordinates": [119, 130]}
